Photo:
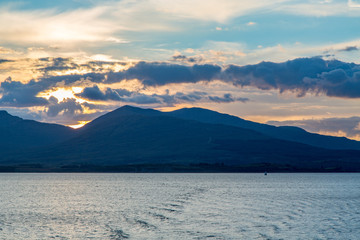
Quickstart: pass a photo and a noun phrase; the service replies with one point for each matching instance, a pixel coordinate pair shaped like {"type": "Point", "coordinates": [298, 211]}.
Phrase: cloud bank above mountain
{"type": "Point", "coordinates": [299, 76]}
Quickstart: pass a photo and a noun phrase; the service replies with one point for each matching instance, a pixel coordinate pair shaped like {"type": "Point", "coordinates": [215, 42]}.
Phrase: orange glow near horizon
{"type": "Point", "coordinates": [79, 124]}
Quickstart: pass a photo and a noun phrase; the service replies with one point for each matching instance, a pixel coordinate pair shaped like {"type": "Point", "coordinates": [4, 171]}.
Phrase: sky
{"type": "Point", "coordinates": [283, 62]}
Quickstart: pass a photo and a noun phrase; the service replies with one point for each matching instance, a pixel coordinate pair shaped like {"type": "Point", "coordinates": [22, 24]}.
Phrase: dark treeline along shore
{"type": "Point", "coordinates": [132, 139]}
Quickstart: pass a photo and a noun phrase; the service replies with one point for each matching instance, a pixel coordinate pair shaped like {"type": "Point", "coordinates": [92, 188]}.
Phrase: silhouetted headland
{"type": "Point", "coordinates": [132, 139]}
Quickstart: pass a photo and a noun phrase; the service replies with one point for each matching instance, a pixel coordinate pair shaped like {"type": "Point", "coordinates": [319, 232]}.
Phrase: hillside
{"type": "Point", "coordinates": [135, 136]}
{"type": "Point", "coordinates": [288, 133]}
{"type": "Point", "coordinates": [18, 134]}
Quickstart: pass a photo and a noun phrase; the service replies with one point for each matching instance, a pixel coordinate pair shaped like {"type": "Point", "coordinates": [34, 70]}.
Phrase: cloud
{"type": "Point", "coordinates": [349, 49]}
{"type": "Point", "coordinates": [227, 98]}
{"type": "Point", "coordinates": [251, 23]}
{"type": "Point", "coordinates": [354, 3]}
{"type": "Point", "coordinates": [68, 107]}
{"type": "Point", "coordinates": [47, 26]}
{"type": "Point", "coordinates": [122, 95]}
{"type": "Point", "coordinates": [185, 59]}
{"type": "Point", "coordinates": [95, 94]}
{"type": "Point", "coordinates": [160, 73]}
{"type": "Point", "coordinates": [4, 60]}
{"type": "Point", "coordinates": [315, 75]}
{"type": "Point", "coordinates": [57, 64]}
{"type": "Point", "coordinates": [302, 75]}
{"type": "Point", "coordinates": [347, 127]}
{"type": "Point", "coordinates": [225, 52]}
{"type": "Point", "coordinates": [179, 97]}
{"type": "Point", "coordinates": [17, 94]}
{"type": "Point", "coordinates": [320, 8]}
{"type": "Point", "coordinates": [217, 11]}
{"type": "Point", "coordinates": [106, 21]}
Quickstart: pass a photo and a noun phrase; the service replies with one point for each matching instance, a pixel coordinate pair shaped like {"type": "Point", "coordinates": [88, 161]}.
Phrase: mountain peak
{"type": "Point", "coordinates": [116, 115]}
{"type": "Point", "coordinates": [4, 113]}
{"type": "Point", "coordinates": [128, 107]}
{"type": "Point", "coordinates": [198, 110]}
{"type": "Point", "coordinates": [133, 110]}
{"type": "Point", "coordinates": [203, 114]}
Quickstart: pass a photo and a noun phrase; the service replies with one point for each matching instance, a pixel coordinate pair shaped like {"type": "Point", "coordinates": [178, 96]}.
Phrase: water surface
{"type": "Point", "coordinates": [179, 206]}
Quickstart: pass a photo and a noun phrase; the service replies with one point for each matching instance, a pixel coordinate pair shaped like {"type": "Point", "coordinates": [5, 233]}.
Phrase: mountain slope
{"type": "Point", "coordinates": [17, 133]}
{"type": "Point", "coordinates": [285, 133]}
{"type": "Point", "coordinates": [131, 135]}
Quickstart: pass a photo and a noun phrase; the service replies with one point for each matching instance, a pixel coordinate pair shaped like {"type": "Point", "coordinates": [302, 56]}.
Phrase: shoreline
{"type": "Point", "coordinates": [168, 168]}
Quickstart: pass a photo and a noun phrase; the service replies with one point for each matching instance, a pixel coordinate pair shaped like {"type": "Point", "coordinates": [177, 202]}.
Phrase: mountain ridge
{"type": "Point", "coordinates": [17, 133]}
{"type": "Point", "coordinates": [131, 135]}
{"type": "Point", "coordinates": [289, 133]}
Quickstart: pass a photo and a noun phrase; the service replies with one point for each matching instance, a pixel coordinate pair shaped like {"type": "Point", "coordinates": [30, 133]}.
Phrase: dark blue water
{"type": "Point", "coordinates": [179, 206]}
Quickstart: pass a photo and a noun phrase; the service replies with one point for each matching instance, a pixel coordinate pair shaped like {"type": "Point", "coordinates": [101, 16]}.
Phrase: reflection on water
{"type": "Point", "coordinates": [179, 206]}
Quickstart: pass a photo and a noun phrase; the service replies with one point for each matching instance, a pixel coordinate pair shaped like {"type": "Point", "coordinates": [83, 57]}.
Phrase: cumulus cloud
{"type": "Point", "coordinates": [94, 93]}
{"type": "Point", "coordinates": [303, 75]}
{"type": "Point", "coordinates": [17, 94]}
{"type": "Point", "coordinates": [160, 73]}
{"type": "Point", "coordinates": [126, 96]}
{"type": "Point", "coordinates": [347, 127]}
{"type": "Point", "coordinates": [67, 107]}
{"type": "Point", "coordinates": [332, 78]}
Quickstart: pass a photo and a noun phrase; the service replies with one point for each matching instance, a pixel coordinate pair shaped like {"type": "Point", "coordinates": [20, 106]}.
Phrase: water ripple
{"type": "Point", "coordinates": [179, 206]}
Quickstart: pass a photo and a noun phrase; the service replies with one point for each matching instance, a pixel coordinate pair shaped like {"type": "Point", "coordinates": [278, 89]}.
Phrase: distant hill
{"type": "Point", "coordinates": [134, 135]}
{"type": "Point", "coordinates": [288, 133]}
{"type": "Point", "coordinates": [18, 134]}
{"type": "Point", "coordinates": [131, 136]}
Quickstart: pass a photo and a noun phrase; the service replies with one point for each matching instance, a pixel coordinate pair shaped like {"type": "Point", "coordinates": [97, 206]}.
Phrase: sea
{"type": "Point", "coordinates": [179, 206]}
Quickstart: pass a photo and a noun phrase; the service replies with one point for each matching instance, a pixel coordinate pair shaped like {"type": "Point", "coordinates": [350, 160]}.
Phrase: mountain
{"type": "Point", "coordinates": [288, 133]}
{"type": "Point", "coordinates": [135, 136]}
{"type": "Point", "coordinates": [18, 134]}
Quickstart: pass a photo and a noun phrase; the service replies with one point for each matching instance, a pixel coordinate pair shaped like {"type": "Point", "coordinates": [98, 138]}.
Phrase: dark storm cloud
{"type": "Point", "coordinates": [349, 126]}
